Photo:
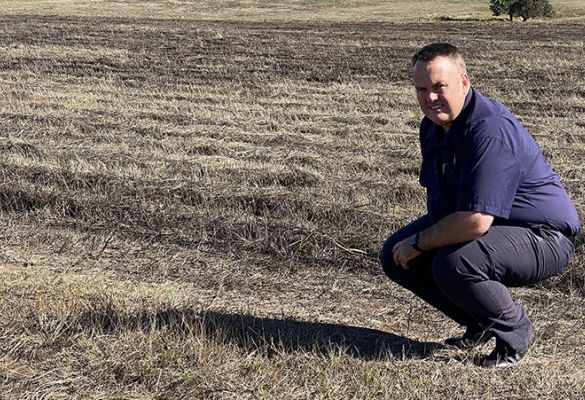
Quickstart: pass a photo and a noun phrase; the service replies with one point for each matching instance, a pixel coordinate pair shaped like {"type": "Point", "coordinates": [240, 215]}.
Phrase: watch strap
{"type": "Point", "coordinates": [414, 242]}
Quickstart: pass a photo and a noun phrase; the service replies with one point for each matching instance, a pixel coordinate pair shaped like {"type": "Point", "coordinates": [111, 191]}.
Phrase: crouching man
{"type": "Point", "coordinates": [497, 214]}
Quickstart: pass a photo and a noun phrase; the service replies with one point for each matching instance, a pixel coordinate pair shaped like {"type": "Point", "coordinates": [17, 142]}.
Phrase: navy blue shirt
{"type": "Point", "coordinates": [487, 162]}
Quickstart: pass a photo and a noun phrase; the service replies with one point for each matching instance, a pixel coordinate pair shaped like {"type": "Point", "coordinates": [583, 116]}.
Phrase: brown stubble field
{"type": "Point", "coordinates": [192, 208]}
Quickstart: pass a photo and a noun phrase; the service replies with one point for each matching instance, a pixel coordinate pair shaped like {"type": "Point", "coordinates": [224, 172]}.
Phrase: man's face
{"type": "Point", "coordinates": [441, 87]}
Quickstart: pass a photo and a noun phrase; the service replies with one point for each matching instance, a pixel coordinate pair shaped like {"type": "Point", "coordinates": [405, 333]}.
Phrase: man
{"type": "Point", "coordinates": [497, 214]}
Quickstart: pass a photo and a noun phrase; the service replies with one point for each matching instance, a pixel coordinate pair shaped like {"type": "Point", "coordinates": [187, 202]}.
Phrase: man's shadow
{"type": "Point", "coordinates": [272, 336]}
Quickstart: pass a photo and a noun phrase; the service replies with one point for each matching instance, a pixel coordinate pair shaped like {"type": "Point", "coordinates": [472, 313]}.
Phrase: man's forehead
{"type": "Point", "coordinates": [437, 67]}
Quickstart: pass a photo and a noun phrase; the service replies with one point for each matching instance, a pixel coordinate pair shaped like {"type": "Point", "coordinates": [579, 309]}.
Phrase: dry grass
{"type": "Point", "coordinates": [192, 207]}
{"type": "Point", "coordinates": [275, 10]}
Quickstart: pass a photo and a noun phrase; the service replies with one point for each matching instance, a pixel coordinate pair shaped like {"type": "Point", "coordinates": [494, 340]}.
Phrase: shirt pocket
{"type": "Point", "coordinates": [449, 171]}
{"type": "Point", "coordinates": [445, 191]}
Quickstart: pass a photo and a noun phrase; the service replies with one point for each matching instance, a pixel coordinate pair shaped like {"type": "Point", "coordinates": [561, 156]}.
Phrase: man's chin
{"type": "Point", "coordinates": [440, 121]}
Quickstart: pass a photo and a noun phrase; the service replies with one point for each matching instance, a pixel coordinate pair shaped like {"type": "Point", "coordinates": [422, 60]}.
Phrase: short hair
{"type": "Point", "coordinates": [431, 51]}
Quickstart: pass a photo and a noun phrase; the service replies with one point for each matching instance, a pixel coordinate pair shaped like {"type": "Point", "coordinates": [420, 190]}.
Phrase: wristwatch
{"type": "Point", "coordinates": [413, 241]}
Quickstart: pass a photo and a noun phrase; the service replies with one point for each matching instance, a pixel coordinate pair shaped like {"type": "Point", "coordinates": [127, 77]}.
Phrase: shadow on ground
{"type": "Point", "coordinates": [271, 336]}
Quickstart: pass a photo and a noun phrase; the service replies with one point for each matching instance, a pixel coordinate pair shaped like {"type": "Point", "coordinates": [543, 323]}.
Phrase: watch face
{"type": "Point", "coordinates": [413, 240]}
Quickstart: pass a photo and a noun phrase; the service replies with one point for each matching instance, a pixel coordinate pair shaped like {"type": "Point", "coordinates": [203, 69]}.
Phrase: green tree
{"type": "Point", "coordinates": [501, 7]}
{"type": "Point", "coordinates": [534, 8]}
{"type": "Point", "coordinates": [521, 8]}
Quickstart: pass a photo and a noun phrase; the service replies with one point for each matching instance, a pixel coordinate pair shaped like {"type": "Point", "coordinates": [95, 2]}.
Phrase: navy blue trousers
{"type": "Point", "coordinates": [469, 281]}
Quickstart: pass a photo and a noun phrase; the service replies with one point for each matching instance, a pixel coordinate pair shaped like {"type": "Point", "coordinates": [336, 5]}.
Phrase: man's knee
{"type": "Point", "coordinates": [456, 267]}
{"type": "Point", "coordinates": [386, 258]}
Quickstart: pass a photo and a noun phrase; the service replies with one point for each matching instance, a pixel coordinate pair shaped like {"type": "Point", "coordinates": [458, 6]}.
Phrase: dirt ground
{"type": "Point", "coordinates": [193, 208]}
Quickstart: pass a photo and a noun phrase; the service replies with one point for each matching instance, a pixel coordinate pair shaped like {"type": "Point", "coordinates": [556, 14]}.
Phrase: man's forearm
{"type": "Point", "coordinates": [458, 227]}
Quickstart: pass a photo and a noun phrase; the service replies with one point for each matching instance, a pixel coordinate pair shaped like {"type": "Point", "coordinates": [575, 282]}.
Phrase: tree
{"type": "Point", "coordinates": [521, 8]}
{"type": "Point", "coordinates": [500, 7]}
{"type": "Point", "coordinates": [534, 8]}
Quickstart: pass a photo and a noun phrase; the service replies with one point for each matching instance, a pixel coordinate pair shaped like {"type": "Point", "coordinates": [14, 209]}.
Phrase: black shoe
{"type": "Point", "coordinates": [503, 356]}
{"type": "Point", "coordinates": [469, 339]}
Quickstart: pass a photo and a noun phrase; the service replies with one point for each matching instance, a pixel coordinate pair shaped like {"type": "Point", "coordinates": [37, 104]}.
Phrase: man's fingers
{"type": "Point", "coordinates": [395, 255]}
{"type": "Point", "coordinates": [404, 264]}
{"type": "Point", "coordinates": [399, 260]}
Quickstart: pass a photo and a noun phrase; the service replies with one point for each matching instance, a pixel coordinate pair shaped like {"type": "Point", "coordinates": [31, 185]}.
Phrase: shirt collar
{"type": "Point", "coordinates": [458, 128]}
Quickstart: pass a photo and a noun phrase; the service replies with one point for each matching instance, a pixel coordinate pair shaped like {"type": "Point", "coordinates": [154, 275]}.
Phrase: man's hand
{"type": "Point", "coordinates": [458, 227]}
{"type": "Point", "coordinates": [403, 253]}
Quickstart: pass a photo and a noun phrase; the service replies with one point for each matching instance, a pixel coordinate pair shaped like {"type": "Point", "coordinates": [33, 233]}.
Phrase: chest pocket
{"type": "Point", "coordinates": [440, 173]}
{"type": "Point", "coordinates": [440, 168]}
{"type": "Point", "coordinates": [449, 170]}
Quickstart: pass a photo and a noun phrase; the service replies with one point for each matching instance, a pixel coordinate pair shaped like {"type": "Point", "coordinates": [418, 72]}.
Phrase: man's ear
{"type": "Point", "coordinates": [466, 82]}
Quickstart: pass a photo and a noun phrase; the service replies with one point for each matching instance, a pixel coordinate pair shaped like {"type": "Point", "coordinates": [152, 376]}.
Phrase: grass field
{"type": "Point", "coordinates": [193, 195]}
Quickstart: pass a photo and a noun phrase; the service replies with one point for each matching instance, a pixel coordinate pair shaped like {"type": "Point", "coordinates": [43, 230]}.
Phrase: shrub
{"type": "Point", "coordinates": [534, 8]}
{"type": "Point", "coordinates": [521, 8]}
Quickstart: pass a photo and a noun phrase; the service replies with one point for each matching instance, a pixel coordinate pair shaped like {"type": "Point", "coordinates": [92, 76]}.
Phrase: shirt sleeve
{"type": "Point", "coordinates": [490, 175]}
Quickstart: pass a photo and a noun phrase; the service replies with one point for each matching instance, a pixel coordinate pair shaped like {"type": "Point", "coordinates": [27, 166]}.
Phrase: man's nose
{"type": "Point", "coordinates": [432, 96]}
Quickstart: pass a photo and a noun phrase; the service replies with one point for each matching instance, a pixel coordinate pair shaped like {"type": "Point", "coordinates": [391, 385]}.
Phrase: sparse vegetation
{"type": "Point", "coordinates": [191, 208]}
